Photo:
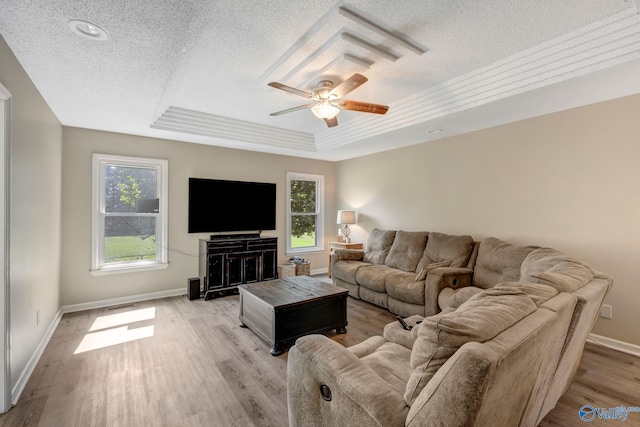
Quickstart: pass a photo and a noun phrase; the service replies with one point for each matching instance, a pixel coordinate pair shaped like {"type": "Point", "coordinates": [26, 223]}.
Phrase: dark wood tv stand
{"type": "Point", "coordinates": [227, 261]}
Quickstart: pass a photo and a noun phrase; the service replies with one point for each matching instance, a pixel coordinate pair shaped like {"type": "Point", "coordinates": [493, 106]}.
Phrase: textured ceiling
{"type": "Point", "coordinates": [197, 71]}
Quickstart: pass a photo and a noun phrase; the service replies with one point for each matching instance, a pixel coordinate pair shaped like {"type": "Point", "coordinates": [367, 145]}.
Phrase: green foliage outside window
{"type": "Point", "coordinates": [303, 212]}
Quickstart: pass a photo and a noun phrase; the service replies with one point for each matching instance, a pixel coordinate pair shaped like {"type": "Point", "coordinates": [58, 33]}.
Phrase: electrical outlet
{"type": "Point", "coordinates": [37, 317]}
{"type": "Point", "coordinates": [606, 311]}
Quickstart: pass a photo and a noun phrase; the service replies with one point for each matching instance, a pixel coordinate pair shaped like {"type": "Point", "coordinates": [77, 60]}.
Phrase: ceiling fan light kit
{"type": "Point", "coordinates": [328, 100]}
{"type": "Point", "coordinates": [325, 110]}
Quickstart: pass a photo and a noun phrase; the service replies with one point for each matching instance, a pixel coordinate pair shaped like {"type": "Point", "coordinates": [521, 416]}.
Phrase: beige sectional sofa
{"type": "Point", "coordinates": [503, 347]}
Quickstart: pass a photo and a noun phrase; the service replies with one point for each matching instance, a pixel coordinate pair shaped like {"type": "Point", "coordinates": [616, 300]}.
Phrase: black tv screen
{"type": "Point", "coordinates": [218, 205]}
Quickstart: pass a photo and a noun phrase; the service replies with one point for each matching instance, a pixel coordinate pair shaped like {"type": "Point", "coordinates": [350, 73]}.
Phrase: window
{"type": "Point", "coordinates": [305, 194]}
{"type": "Point", "coordinates": [129, 214]}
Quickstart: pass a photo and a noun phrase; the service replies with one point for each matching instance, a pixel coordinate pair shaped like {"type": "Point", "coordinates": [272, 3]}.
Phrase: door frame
{"type": "Point", "coordinates": [5, 314]}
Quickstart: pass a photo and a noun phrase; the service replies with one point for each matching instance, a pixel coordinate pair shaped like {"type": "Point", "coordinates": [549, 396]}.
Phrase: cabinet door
{"type": "Point", "coordinates": [234, 271]}
{"type": "Point", "coordinates": [251, 269]}
{"type": "Point", "coordinates": [269, 264]}
{"type": "Point", "coordinates": [216, 272]}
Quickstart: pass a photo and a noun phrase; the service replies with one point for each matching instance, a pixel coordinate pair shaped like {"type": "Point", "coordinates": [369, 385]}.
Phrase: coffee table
{"type": "Point", "coordinates": [282, 310]}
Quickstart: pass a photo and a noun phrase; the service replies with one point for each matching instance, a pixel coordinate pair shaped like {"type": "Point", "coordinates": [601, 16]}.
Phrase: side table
{"type": "Point", "coordinates": [342, 245]}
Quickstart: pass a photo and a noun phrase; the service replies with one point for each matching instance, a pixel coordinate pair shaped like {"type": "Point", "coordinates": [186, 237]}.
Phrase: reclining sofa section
{"type": "Point", "coordinates": [404, 271]}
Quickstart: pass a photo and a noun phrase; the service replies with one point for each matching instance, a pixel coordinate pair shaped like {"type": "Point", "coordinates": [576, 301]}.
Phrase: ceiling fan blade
{"type": "Point", "coordinates": [291, 110]}
{"type": "Point", "coordinates": [365, 107]}
{"type": "Point", "coordinates": [348, 85]}
{"type": "Point", "coordinates": [290, 89]}
{"type": "Point", "coordinates": [331, 122]}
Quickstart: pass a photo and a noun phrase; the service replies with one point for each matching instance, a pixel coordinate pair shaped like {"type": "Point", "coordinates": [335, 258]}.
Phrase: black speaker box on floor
{"type": "Point", "coordinates": [193, 288]}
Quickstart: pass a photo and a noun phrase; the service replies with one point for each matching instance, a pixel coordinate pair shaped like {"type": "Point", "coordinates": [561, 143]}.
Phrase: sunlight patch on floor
{"type": "Point", "coordinates": [114, 329]}
{"type": "Point", "coordinates": [118, 319]}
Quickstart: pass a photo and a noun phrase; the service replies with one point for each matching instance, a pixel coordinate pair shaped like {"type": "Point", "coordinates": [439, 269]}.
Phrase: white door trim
{"type": "Point", "coordinates": [5, 314]}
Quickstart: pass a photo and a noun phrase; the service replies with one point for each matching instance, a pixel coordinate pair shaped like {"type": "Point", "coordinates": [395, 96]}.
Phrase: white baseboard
{"type": "Point", "coordinates": [614, 344]}
{"type": "Point", "coordinates": [122, 300]}
{"type": "Point", "coordinates": [319, 271]}
{"type": "Point", "coordinates": [35, 358]}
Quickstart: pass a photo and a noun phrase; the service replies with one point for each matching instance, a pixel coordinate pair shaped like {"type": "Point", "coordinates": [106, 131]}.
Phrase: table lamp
{"type": "Point", "coordinates": [345, 218]}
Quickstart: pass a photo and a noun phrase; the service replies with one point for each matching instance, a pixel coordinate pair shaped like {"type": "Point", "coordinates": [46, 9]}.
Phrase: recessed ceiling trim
{"type": "Point", "coordinates": [382, 51]}
{"type": "Point", "coordinates": [308, 35]}
{"type": "Point", "coordinates": [361, 20]}
{"type": "Point", "coordinates": [363, 62]}
{"type": "Point", "coordinates": [325, 46]}
{"type": "Point", "coordinates": [187, 122]}
{"type": "Point", "coordinates": [193, 122]}
{"type": "Point", "coordinates": [595, 47]}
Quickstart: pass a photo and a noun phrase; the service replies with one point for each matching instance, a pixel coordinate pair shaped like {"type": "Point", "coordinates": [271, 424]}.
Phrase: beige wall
{"type": "Point", "coordinates": [35, 192]}
{"type": "Point", "coordinates": [185, 160]}
{"type": "Point", "coordinates": [569, 180]}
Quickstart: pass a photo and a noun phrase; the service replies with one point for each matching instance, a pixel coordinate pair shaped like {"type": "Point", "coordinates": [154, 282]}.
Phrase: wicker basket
{"type": "Point", "coordinates": [303, 269]}
{"type": "Point", "coordinates": [286, 270]}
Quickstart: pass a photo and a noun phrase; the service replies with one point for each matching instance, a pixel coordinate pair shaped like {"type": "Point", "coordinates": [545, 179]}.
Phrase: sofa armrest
{"type": "Point", "coordinates": [346, 255]}
{"type": "Point", "coordinates": [394, 332]}
{"type": "Point", "coordinates": [440, 278]}
{"type": "Point", "coordinates": [357, 396]}
{"type": "Point", "coordinates": [367, 346]}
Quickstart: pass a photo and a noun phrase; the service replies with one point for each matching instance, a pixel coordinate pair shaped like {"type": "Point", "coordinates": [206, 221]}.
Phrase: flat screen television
{"type": "Point", "coordinates": [217, 205]}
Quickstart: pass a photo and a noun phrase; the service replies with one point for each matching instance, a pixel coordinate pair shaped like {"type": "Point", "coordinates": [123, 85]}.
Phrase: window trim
{"type": "Point", "coordinates": [100, 161]}
{"type": "Point", "coordinates": [319, 180]}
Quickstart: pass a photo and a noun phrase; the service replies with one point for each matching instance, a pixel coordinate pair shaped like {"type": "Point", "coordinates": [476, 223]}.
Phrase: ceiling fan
{"type": "Point", "coordinates": [328, 99]}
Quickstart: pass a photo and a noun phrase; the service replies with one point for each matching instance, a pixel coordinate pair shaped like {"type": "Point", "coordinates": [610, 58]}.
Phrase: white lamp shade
{"type": "Point", "coordinates": [325, 111]}
{"type": "Point", "coordinates": [346, 217]}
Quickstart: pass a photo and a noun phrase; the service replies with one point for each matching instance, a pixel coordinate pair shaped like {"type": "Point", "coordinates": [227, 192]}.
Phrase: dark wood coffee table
{"type": "Point", "coordinates": [282, 310]}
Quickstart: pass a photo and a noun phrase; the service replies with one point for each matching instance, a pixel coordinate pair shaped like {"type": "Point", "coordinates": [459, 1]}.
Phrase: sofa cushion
{"type": "Point", "coordinates": [346, 270]}
{"type": "Point", "coordinates": [550, 267]}
{"type": "Point", "coordinates": [374, 276]}
{"type": "Point", "coordinates": [498, 262]}
{"type": "Point", "coordinates": [378, 245]}
{"type": "Point", "coordinates": [406, 250]}
{"type": "Point", "coordinates": [444, 247]}
{"type": "Point", "coordinates": [391, 362]}
{"type": "Point", "coordinates": [404, 287]}
{"type": "Point", "coordinates": [427, 268]}
{"type": "Point", "coordinates": [480, 319]}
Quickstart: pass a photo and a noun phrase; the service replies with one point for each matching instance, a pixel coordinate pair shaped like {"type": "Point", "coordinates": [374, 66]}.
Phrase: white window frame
{"type": "Point", "coordinates": [319, 180]}
{"type": "Point", "coordinates": [100, 162]}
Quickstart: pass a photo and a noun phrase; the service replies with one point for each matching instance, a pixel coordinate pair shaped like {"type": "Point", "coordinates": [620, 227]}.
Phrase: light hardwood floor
{"type": "Point", "coordinates": [188, 363]}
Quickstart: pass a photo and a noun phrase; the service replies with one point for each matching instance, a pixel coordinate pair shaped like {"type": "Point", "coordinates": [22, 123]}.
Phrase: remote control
{"type": "Point", "coordinates": [404, 324]}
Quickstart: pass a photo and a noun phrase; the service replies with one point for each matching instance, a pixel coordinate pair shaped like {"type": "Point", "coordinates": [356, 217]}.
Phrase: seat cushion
{"type": "Point", "coordinates": [378, 245]}
{"type": "Point", "coordinates": [498, 262]}
{"type": "Point", "coordinates": [374, 276]}
{"type": "Point", "coordinates": [445, 247]}
{"type": "Point", "coordinates": [480, 319]}
{"type": "Point", "coordinates": [391, 362]}
{"type": "Point", "coordinates": [550, 267]}
{"type": "Point", "coordinates": [346, 270]}
{"type": "Point", "coordinates": [406, 250]}
{"type": "Point", "coordinates": [404, 287]}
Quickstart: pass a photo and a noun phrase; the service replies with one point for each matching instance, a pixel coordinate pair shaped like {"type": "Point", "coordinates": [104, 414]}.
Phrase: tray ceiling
{"type": "Point", "coordinates": [197, 71]}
